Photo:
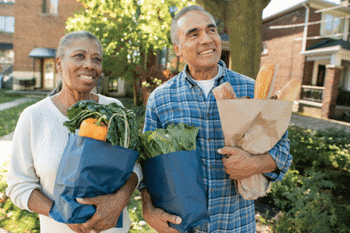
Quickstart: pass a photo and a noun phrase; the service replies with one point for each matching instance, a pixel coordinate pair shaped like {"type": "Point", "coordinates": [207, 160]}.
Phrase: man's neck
{"type": "Point", "coordinates": [203, 74]}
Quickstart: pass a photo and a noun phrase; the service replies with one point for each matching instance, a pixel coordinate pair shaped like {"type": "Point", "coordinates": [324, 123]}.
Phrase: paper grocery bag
{"type": "Point", "coordinates": [255, 125]}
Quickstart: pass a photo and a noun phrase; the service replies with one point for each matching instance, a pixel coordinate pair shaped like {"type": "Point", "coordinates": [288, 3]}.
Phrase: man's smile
{"type": "Point", "coordinates": [86, 77]}
{"type": "Point", "coordinates": [207, 51]}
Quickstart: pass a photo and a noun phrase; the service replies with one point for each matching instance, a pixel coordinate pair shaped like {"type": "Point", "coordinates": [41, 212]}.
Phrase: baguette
{"type": "Point", "coordinates": [290, 91]}
{"type": "Point", "coordinates": [224, 92]}
{"type": "Point", "coordinates": [264, 81]}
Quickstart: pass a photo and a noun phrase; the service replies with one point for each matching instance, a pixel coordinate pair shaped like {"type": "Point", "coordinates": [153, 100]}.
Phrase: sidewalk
{"type": "Point", "coordinates": [317, 123]}
{"type": "Point", "coordinates": [6, 146]}
{"type": "Point", "coordinates": [14, 103]}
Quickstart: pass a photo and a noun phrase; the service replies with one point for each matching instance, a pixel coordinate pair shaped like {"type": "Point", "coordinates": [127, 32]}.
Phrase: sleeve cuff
{"type": "Point", "coordinates": [138, 171]}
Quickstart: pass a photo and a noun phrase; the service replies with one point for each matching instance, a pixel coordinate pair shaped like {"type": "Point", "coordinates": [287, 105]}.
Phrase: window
{"type": "Point", "coordinates": [50, 7]}
{"type": "Point", "coordinates": [331, 25]}
{"type": "Point", "coordinates": [7, 24]}
{"type": "Point", "coordinates": [7, 1]}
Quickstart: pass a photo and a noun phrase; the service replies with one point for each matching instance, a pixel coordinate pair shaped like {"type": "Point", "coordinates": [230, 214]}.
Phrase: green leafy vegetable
{"type": "Point", "coordinates": [120, 131]}
{"type": "Point", "coordinates": [172, 139]}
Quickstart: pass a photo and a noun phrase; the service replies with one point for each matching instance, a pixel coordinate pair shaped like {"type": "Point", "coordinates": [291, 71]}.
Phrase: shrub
{"type": "Point", "coordinates": [308, 204]}
{"type": "Point", "coordinates": [13, 218]}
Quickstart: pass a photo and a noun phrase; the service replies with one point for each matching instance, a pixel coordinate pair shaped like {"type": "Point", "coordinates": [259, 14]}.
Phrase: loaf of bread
{"type": "Point", "coordinates": [264, 80]}
{"type": "Point", "coordinates": [290, 90]}
{"type": "Point", "coordinates": [224, 92]}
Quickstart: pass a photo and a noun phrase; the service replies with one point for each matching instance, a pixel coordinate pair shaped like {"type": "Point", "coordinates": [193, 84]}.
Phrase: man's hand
{"type": "Point", "coordinates": [157, 218]}
{"type": "Point", "coordinates": [239, 164]}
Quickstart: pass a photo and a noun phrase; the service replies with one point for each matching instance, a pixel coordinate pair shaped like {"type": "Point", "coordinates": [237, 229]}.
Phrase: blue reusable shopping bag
{"type": "Point", "coordinates": [89, 168]}
{"type": "Point", "coordinates": [176, 185]}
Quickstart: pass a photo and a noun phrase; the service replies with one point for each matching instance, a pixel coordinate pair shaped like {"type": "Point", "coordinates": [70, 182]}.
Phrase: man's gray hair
{"type": "Point", "coordinates": [72, 36]}
{"type": "Point", "coordinates": [173, 29]}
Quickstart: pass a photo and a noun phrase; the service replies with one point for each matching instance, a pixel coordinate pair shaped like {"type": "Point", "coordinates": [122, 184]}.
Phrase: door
{"type": "Point", "coordinates": [49, 74]}
{"type": "Point", "coordinates": [321, 75]}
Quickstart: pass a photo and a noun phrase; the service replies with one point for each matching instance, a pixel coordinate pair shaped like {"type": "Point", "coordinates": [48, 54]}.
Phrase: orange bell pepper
{"type": "Point", "coordinates": [94, 128]}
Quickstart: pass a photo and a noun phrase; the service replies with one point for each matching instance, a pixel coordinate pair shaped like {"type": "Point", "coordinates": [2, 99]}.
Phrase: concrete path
{"type": "Point", "coordinates": [14, 103]}
{"type": "Point", "coordinates": [317, 123]}
{"type": "Point", "coordinates": [5, 148]}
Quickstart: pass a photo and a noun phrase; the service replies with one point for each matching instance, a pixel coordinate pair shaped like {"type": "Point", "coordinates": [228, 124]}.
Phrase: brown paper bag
{"type": "Point", "coordinates": [255, 125]}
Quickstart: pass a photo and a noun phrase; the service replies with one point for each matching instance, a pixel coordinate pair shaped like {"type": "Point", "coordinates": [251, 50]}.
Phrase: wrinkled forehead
{"type": "Point", "coordinates": [85, 44]}
{"type": "Point", "coordinates": [194, 19]}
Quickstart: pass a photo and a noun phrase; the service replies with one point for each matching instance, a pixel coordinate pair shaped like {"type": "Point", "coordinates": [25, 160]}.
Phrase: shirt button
{"type": "Point", "coordinates": [211, 166]}
{"type": "Point", "coordinates": [211, 191]}
{"type": "Point", "coordinates": [207, 115]}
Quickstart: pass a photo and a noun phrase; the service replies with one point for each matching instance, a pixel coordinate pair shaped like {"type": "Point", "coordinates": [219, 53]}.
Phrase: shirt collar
{"type": "Point", "coordinates": [221, 74]}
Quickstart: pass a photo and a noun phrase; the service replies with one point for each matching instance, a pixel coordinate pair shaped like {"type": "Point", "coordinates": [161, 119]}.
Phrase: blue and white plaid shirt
{"type": "Point", "coordinates": [182, 100]}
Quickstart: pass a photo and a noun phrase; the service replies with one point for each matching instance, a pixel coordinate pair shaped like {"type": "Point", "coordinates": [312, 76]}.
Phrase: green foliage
{"type": "Point", "coordinates": [123, 128]}
{"type": "Point", "coordinates": [321, 149]}
{"type": "Point", "coordinates": [308, 204]}
{"type": "Point", "coordinates": [11, 217]}
{"type": "Point", "coordinates": [313, 195]}
{"type": "Point", "coordinates": [139, 224]}
{"type": "Point", "coordinates": [127, 29]}
{"type": "Point", "coordinates": [172, 139]}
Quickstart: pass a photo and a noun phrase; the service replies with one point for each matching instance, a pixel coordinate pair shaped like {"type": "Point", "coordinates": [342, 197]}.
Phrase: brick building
{"type": "Point", "coordinates": [7, 21]}
{"type": "Point", "coordinates": [310, 42]}
{"type": "Point", "coordinates": [38, 27]}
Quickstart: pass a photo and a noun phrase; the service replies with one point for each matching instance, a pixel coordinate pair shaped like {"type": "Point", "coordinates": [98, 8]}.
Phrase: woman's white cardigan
{"type": "Point", "coordinates": [38, 144]}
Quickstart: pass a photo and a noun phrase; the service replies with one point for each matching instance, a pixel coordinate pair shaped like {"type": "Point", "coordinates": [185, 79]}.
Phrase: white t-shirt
{"type": "Point", "coordinates": [38, 144]}
{"type": "Point", "coordinates": [207, 85]}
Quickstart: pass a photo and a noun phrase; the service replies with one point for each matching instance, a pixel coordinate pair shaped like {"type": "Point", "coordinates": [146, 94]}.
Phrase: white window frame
{"type": "Point", "coordinates": [7, 20]}
{"type": "Point", "coordinates": [324, 22]}
{"type": "Point", "coordinates": [51, 7]}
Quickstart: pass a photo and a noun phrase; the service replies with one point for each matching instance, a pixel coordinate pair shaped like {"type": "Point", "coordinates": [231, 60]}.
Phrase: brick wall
{"type": "Point", "coordinates": [7, 9]}
{"type": "Point", "coordinates": [35, 29]}
{"type": "Point", "coordinates": [284, 46]}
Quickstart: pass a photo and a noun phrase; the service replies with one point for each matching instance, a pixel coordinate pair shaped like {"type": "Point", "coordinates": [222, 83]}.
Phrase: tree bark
{"type": "Point", "coordinates": [243, 19]}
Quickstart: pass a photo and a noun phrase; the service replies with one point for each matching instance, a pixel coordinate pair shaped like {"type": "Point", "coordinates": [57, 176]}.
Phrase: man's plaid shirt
{"type": "Point", "coordinates": [181, 100]}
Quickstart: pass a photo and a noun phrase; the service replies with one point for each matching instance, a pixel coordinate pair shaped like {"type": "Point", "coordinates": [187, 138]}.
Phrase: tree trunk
{"type": "Point", "coordinates": [135, 89]}
{"type": "Point", "coordinates": [244, 20]}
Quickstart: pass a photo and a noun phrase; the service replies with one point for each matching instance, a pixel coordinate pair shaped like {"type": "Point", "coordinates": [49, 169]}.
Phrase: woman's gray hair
{"type": "Point", "coordinates": [173, 28]}
{"type": "Point", "coordinates": [70, 37]}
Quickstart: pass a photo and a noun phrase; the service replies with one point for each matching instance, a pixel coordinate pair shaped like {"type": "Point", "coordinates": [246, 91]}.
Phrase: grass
{"type": "Point", "coordinates": [4, 97]}
{"type": "Point", "coordinates": [9, 117]}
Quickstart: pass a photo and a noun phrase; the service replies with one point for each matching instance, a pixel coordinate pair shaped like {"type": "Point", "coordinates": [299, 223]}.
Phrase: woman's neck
{"type": "Point", "coordinates": [67, 98]}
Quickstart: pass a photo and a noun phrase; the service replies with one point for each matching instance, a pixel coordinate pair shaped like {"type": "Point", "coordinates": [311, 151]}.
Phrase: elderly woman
{"type": "Point", "coordinates": [40, 139]}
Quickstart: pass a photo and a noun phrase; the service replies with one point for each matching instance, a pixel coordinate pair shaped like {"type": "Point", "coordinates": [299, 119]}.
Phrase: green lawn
{"type": "Point", "coordinates": [9, 117]}
{"type": "Point", "coordinates": [4, 97]}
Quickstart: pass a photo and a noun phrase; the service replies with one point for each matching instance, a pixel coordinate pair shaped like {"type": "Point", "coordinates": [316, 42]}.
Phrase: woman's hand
{"type": "Point", "coordinates": [109, 207]}
{"type": "Point", "coordinates": [157, 218]}
{"type": "Point", "coordinates": [78, 228]}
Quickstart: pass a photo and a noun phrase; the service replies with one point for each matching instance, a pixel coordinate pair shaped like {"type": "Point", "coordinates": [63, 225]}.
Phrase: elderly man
{"type": "Point", "coordinates": [188, 98]}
